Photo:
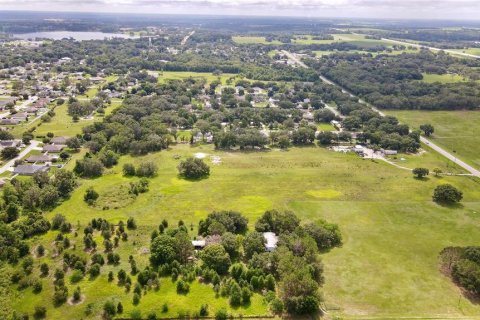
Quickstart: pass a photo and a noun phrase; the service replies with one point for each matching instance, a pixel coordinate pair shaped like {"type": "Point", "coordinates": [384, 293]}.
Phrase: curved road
{"type": "Point", "coordinates": [424, 140]}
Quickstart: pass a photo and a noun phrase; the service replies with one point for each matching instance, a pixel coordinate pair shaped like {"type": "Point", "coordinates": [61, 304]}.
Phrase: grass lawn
{"type": "Point", "coordinates": [454, 130]}
{"type": "Point", "coordinates": [253, 40]}
{"type": "Point", "coordinates": [392, 231]}
{"type": "Point", "coordinates": [443, 78]}
{"type": "Point", "coordinates": [325, 127]}
{"type": "Point", "coordinates": [475, 51]}
{"type": "Point", "coordinates": [179, 75]}
{"type": "Point", "coordinates": [62, 124]}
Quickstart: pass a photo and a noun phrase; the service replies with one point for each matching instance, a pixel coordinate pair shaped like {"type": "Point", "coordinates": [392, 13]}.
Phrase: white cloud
{"type": "Point", "coordinates": [428, 9]}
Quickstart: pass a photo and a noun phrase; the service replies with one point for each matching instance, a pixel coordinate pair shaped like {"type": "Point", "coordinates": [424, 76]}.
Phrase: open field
{"type": "Point", "coordinates": [392, 230]}
{"type": "Point", "coordinates": [253, 40]}
{"type": "Point", "coordinates": [179, 75]}
{"type": "Point", "coordinates": [62, 124]}
{"type": "Point", "coordinates": [456, 131]}
{"type": "Point", "coordinates": [443, 78]}
{"type": "Point", "coordinates": [475, 51]}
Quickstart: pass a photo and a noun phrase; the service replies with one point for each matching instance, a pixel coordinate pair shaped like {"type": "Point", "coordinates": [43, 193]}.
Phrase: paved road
{"type": "Point", "coordinates": [186, 38]}
{"type": "Point", "coordinates": [431, 48]}
{"type": "Point", "coordinates": [451, 157]}
{"type": "Point", "coordinates": [33, 144]}
{"type": "Point", "coordinates": [424, 140]}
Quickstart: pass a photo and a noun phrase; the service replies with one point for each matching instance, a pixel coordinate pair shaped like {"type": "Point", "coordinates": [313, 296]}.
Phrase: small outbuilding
{"type": "Point", "coordinates": [271, 240]}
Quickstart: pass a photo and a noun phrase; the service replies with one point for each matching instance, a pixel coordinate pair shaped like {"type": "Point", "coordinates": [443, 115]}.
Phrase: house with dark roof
{"type": "Point", "coordinates": [59, 140]}
{"type": "Point", "coordinates": [54, 148]}
{"type": "Point", "coordinates": [9, 122]}
{"type": "Point", "coordinates": [29, 170]}
{"type": "Point", "coordinates": [10, 143]}
{"type": "Point", "coordinates": [39, 158]}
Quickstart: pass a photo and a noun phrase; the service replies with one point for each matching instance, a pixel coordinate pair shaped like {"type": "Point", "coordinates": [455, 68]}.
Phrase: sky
{"type": "Point", "coordinates": [392, 9]}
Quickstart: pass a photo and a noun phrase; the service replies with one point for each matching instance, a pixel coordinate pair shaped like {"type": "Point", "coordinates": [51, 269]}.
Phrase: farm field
{"type": "Point", "coordinates": [391, 228]}
{"type": "Point", "coordinates": [454, 130]}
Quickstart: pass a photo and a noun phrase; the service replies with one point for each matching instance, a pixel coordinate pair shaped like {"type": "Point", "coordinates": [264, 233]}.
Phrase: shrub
{"type": "Point", "coordinates": [77, 276]}
{"type": "Point", "coordinates": [165, 308]}
{"type": "Point", "coordinates": [182, 287]}
{"type": "Point", "coordinates": [136, 315]}
{"type": "Point", "coordinates": [147, 169]}
{"type": "Point", "coordinates": [136, 298]}
{"type": "Point", "coordinates": [109, 309]}
{"type": "Point", "coordinates": [128, 170]}
{"type": "Point", "coordinates": [90, 196]}
{"type": "Point", "coordinates": [221, 314]}
{"type": "Point", "coordinates": [204, 310]}
{"type": "Point", "coordinates": [40, 312]}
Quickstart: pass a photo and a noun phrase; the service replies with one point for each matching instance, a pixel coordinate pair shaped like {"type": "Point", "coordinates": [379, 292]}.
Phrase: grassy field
{"type": "Point", "coordinates": [62, 124]}
{"type": "Point", "coordinates": [475, 51]}
{"type": "Point", "coordinates": [179, 75]}
{"type": "Point", "coordinates": [387, 266]}
{"type": "Point", "coordinates": [253, 40]}
{"type": "Point", "coordinates": [454, 130]}
{"type": "Point", "coordinates": [442, 78]}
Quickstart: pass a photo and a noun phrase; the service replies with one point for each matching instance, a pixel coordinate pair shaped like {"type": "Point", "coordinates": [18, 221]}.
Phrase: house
{"type": "Point", "coordinates": [198, 244]}
{"type": "Point", "coordinates": [59, 140]}
{"type": "Point", "coordinates": [271, 241]}
{"type": "Point", "coordinates": [39, 158]}
{"type": "Point", "coordinates": [20, 116]}
{"type": "Point", "coordinates": [390, 152]}
{"type": "Point", "coordinates": [54, 148]}
{"type": "Point", "coordinates": [29, 170]}
{"type": "Point", "coordinates": [10, 143]}
{"type": "Point", "coordinates": [9, 121]}
{"type": "Point", "coordinates": [209, 137]}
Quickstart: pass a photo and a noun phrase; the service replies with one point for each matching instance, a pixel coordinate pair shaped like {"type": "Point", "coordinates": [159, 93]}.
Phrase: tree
{"type": "Point", "coordinates": [193, 168]}
{"type": "Point", "coordinates": [277, 222]}
{"type": "Point", "coordinates": [90, 196]}
{"type": "Point", "coordinates": [231, 245]}
{"type": "Point", "coordinates": [215, 257]}
{"type": "Point", "coordinates": [88, 168]}
{"type": "Point", "coordinates": [109, 309]}
{"type": "Point", "coordinates": [446, 193]}
{"type": "Point", "coordinates": [427, 129]}
{"type": "Point", "coordinates": [326, 235]}
{"type": "Point", "coordinates": [232, 221]}
{"type": "Point", "coordinates": [74, 143]}
{"type": "Point", "coordinates": [9, 153]}
{"type": "Point", "coordinates": [254, 242]}
{"type": "Point", "coordinates": [437, 171]}
{"type": "Point", "coordinates": [64, 181]}
{"type": "Point", "coordinates": [420, 172]}
{"type": "Point", "coordinates": [183, 246]}
{"type": "Point", "coordinates": [162, 250]}
{"type": "Point", "coordinates": [221, 314]}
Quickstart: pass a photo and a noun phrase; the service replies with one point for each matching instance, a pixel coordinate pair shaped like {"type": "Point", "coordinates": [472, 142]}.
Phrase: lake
{"type": "Point", "coordinates": [79, 36]}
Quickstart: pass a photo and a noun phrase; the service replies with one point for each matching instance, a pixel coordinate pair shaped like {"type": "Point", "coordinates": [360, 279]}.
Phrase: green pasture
{"type": "Point", "coordinates": [456, 131]}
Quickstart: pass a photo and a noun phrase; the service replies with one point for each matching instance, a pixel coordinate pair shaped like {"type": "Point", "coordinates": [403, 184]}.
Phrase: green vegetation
{"type": "Point", "coordinates": [456, 131]}
{"type": "Point", "coordinates": [443, 78]}
{"type": "Point", "coordinates": [253, 40]}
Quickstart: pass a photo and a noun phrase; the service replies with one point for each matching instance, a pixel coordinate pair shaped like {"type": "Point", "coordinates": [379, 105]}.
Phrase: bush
{"type": "Point", "coordinates": [165, 308]}
{"type": "Point", "coordinates": [193, 168]}
{"type": "Point", "coordinates": [147, 169]}
{"type": "Point", "coordinates": [276, 306]}
{"type": "Point", "coordinates": [182, 287]}
{"type": "Point", "coordinates": [204, 310]}
{"type": "Point", "coordinates": [136, 298]}
{"type": "Point", "coordinates": [136, 315]}
{"type": "Point", "coordinates": [90, 196]}
{"type": "Point", "coordinates": [109, 309]}
{"type": "Point", "coordinates": [40, 312]}
{"type": "Point", "coordinates": [446, 193]}
{"type": "Point", "coordinates": [128, 170]}
{"type": "Point", "coordinates": [77, 276]}
{"type": "Point", "coordinates": [221, 314]}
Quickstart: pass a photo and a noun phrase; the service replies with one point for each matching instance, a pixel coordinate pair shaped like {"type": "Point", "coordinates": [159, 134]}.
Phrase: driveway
{"type": "Point", "coordinates": [6, 167]}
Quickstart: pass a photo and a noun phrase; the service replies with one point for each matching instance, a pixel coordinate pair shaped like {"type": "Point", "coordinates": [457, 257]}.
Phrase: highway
{"type": "Point", "coordinates": [424, 140]}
